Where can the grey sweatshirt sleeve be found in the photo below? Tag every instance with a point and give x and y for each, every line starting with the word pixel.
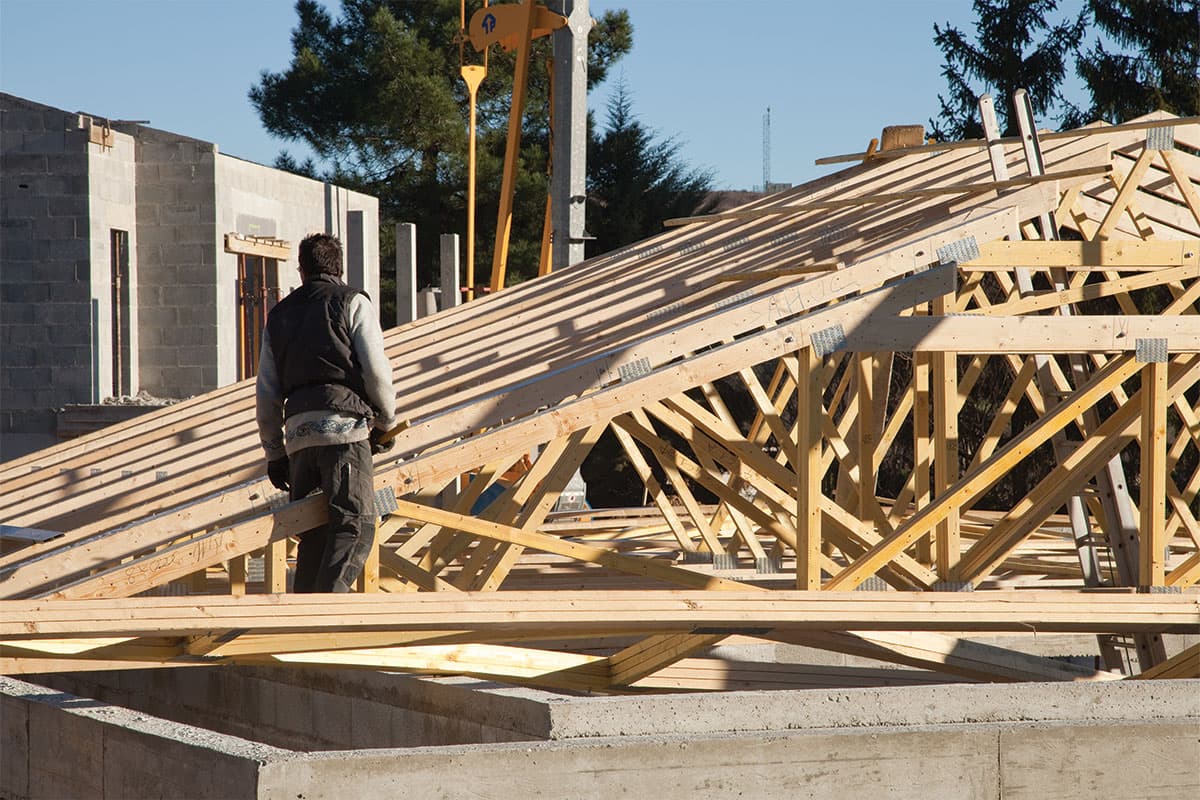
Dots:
pixel 268 396
pixel 367 339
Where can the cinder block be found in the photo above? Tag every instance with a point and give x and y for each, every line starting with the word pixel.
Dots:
pixel 52 228
pixel 191 174
pixel 26 119
pixel 17 271
pixel 201 314
pixel 14 227
pixel 70 292
pixel 185 380
pixel 18 165
pixel 57 184
pixel 157 194
pixel 27 334
pixel 183 254
pixel 69 336
pixel 70 162
pixel 69 249
pixel 195 356
pixel 48 142
pixel 65 314
pixel 158 316
pixel 25 293
pixel 18 315
pixel 74 206
pixel 27 205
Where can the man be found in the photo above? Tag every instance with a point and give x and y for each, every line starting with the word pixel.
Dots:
pixel 325 399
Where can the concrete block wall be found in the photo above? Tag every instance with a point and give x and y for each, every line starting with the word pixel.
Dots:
pixel 177 260
pixel 46 314
pixel 176 198
pixel 255 200
pixel 112 193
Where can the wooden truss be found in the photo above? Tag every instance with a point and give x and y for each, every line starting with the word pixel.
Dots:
pixel 865 412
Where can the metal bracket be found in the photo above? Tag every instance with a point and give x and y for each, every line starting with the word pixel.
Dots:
pixel 828 340
pixel 1150 351
pixel 1160 590
pixel 957 252
pixel 952 586
pixel 768 566
pixel 385 501
pixel 725 561
pixel 1161 138
pixel 634 369
pixel 696 557
pixel 872 584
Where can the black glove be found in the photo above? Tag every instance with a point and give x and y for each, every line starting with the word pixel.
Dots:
pixel 279 473
pixel 377 444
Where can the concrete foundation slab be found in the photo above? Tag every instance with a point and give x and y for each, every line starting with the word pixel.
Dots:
pixel 386 735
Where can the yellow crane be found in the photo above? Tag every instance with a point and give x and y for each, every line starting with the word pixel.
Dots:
pixel 513 26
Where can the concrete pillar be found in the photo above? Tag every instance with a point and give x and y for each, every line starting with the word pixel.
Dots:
pixel 406 272
pixel 356 267
pixel 568 185
pixel 448 257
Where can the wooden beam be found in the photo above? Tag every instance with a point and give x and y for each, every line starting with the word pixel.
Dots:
pixel 810 410
pixel 975 482
pixel 893 197
pixel 1119 254
pixel 1152 502
pixel 519 612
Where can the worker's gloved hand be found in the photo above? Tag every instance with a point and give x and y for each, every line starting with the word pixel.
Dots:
pixel 377 444
pixel 278 473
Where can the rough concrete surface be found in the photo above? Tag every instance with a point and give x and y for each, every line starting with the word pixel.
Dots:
pixel 1127 739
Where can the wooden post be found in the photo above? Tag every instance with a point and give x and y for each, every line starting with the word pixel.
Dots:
pixel 1152 503
pixel 809 410
pixel 865 374
pixel 406 272
pixel 922 447
pixel 236 568
pixel 945 460
pixel 368 581
pixel 275 567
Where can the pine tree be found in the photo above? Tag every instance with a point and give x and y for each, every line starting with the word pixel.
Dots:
pixel 1002 59
pixel 1151 62
pixel 376 94
pixel 636 180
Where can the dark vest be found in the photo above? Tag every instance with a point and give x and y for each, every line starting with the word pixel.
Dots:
pixel 310 338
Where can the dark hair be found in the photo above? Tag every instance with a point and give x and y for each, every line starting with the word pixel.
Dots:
pixel 320 254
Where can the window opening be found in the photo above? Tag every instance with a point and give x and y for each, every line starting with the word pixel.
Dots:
pixel 258 292
pixel 121 309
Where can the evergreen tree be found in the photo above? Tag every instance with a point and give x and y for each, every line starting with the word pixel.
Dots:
pixel 635 181
pixel 1003 58
pixel 1152 60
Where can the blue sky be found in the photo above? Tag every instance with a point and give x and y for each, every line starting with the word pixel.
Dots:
pixel 703 71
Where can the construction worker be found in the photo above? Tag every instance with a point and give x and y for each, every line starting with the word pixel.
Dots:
pixel 325 398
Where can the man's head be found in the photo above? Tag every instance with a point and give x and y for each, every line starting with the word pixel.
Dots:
pixel 320 254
